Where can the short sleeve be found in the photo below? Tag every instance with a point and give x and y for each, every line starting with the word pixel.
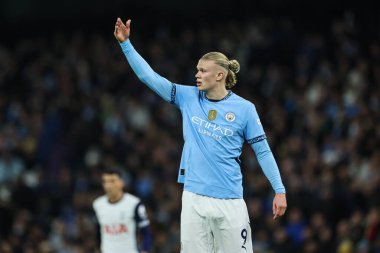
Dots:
pixel 141 216
pixel 95 205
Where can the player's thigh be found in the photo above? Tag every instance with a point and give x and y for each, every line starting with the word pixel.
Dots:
pixel 234 240
pixel 232 231
pixel 195 229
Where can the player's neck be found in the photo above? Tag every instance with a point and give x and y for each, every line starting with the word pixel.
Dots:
pixel 217 94
pixel 116 198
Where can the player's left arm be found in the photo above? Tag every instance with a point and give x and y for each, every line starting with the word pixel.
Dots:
pixel 269 166
pixel 143 226
pixel 266 159
pixel 95 220
pixel 146 244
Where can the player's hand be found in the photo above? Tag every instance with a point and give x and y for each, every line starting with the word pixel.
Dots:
pixel 279 205
pixel 122 31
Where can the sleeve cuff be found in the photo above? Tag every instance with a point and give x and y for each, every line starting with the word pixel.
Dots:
pixel 126 45
pixel 281 190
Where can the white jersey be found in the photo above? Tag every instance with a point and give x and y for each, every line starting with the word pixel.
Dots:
pixel 119 222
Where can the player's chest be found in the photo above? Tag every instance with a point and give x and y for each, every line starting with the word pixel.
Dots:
pixel 109 215
pixel 216 119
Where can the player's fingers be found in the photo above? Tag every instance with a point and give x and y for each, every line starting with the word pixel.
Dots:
pixel 117 23
pixel 128 23
pixel 116 27
pixel 281 210
pixel 277 212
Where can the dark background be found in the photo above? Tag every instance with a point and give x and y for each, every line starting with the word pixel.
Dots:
pixel 70 106
pixel 307 16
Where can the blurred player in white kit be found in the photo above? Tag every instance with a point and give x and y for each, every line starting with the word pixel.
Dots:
pixel 121 217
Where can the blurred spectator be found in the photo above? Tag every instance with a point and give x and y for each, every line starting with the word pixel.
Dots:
pixel 70 106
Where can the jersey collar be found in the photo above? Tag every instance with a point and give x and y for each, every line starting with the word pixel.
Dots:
pixel 216 100
pixel 115 201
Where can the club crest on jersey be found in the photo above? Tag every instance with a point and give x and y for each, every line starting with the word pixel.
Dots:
pixel 212 115
pixel 230 116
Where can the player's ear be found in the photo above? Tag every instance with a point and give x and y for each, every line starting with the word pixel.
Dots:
pixel 219 76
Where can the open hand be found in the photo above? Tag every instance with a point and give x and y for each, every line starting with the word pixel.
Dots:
pixel 122 31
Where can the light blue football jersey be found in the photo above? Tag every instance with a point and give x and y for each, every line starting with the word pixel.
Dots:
pixel 214 133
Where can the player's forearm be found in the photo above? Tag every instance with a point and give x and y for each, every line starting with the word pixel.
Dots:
pixel 268 164
pixel 146 244
pixel 145 73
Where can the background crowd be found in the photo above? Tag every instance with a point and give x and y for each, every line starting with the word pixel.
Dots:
pixel 70 106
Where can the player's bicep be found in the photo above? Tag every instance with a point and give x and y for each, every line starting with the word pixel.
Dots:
pixel 183 94
pixel 141 216
pixel 253 131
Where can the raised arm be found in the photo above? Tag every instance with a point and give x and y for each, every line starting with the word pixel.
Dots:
pixel 144 72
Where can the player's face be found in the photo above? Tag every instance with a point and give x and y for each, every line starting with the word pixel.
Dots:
pixel 112 184
pixel 209 75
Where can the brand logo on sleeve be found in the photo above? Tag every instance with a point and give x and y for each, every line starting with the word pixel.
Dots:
pixel 212 115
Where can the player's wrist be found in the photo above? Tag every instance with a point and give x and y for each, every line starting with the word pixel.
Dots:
pixel 280 190
pixel 123 40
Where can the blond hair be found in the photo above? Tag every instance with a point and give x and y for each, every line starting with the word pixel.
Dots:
pixel 232 66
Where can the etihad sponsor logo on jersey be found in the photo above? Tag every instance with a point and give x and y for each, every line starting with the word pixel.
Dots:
pixel 115 229
pixel 210 129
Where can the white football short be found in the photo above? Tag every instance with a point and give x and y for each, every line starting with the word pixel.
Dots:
pixel 211 225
